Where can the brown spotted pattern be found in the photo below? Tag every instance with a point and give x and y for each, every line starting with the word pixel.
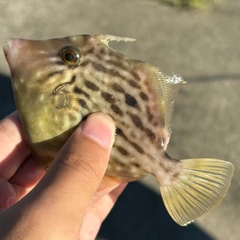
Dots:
pixel 104 80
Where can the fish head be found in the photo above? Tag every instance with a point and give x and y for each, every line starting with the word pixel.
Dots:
pixel 43 76
pixel 31 62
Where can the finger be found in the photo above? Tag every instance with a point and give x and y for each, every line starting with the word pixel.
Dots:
pixel 14 149
pixel 26 177
pixel 8 194
pixel 28 174
pixel 69 184
pixel 107 185
pixel 97 212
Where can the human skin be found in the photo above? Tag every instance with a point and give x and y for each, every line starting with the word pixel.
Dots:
pixel 72 198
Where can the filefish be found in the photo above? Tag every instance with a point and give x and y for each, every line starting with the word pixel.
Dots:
pixel 58 82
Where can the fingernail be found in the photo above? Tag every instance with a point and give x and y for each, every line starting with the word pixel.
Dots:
pixel 100 128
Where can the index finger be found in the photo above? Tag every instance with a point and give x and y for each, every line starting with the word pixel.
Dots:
pixel 14 149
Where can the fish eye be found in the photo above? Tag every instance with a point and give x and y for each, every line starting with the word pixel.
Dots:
pixel 70 55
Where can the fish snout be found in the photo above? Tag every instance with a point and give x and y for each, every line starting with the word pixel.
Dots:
pixel 11 51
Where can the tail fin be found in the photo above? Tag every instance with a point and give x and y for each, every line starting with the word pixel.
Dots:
pixel 201 186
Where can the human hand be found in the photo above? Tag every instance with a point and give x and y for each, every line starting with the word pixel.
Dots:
pixel 72 198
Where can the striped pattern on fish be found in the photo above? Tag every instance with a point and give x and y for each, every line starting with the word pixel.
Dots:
pixel 59 82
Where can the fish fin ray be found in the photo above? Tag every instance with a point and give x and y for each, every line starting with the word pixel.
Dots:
pixel 124 179
pixel 125 176
pixel 169 86
pixel 201 186
pixel 105 39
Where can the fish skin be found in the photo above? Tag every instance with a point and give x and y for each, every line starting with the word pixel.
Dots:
pixel 63 97
pixel 59 82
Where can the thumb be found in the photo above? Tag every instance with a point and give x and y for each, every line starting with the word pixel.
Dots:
pixel 80 165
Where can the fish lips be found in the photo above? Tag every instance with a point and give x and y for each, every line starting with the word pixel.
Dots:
pixel 12 51
pixel 13 48
pixel 6 50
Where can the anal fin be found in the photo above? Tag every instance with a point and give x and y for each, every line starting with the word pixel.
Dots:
pixel 124 179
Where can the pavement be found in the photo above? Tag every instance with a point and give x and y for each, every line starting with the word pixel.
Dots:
pixel 203 47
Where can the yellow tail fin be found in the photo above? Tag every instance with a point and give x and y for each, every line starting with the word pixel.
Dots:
pixel 201 186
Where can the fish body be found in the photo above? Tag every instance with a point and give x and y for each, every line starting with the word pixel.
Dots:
pixel 59 82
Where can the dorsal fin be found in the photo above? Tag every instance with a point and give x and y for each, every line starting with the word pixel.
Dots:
pixel 169 85
pixel 105 39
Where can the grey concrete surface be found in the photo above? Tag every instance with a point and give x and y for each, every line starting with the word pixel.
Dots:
pixel 201 46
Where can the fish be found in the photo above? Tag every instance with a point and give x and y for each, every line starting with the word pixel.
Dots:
pixel 58 82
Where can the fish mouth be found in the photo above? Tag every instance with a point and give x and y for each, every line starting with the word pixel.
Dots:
pixel 12 50
pixel 6 50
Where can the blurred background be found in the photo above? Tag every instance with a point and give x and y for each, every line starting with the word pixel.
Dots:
pixel 201 43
